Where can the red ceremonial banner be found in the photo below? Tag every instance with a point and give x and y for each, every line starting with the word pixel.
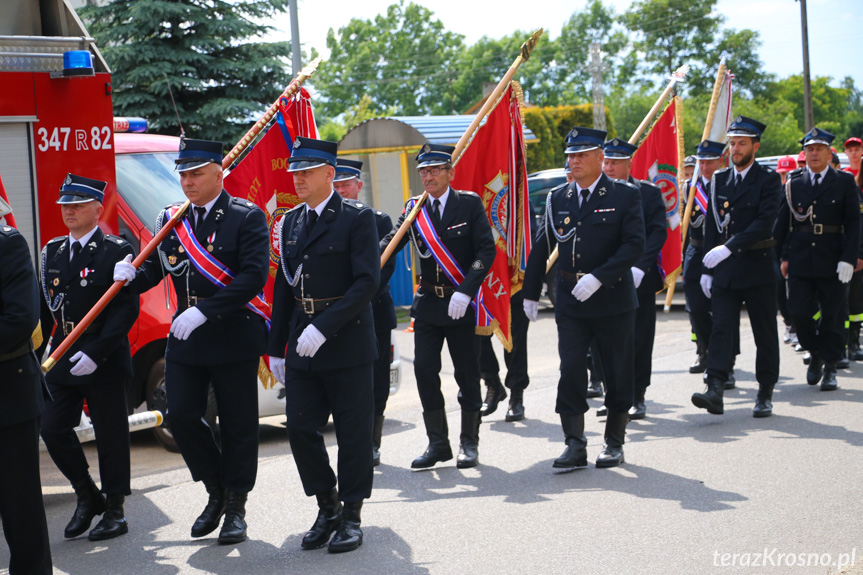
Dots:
pixel 657 160
pixel 262 176
pixel 493 166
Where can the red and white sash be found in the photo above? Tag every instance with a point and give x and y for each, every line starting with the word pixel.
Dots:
pixel 211 268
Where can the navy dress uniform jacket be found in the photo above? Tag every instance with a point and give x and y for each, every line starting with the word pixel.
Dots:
pixel 836 202
pixel 655 234
pixel 340 259
pixel 752 208
pixel 106 341
pixel 232 332
pixel 466 233
pixel 22 387
pixel 610 226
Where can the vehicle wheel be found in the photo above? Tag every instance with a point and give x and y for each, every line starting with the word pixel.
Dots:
pixel 157 399
pixel 551 282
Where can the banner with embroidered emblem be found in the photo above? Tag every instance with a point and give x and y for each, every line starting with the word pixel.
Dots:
pixel 493 165
pixel 211 268
pixel 261 177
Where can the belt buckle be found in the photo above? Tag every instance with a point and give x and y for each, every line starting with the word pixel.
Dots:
pixel 818 229
pixel 308 305
pixel 439 291
pixel 579 275
pixel 191 300
pixel 68 327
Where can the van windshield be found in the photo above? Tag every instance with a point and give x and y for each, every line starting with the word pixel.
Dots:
pixel 148 183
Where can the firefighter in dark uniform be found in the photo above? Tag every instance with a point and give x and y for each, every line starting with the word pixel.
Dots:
pixel 76 270
pixel 218 333
pixel 322 343
pixel 739 266
pixel 708 155
pixel 645 273
pixel 819 231
pixel 348 184
pixel 441 306
pixel 855 291
pixel 598 225
pixel 22 399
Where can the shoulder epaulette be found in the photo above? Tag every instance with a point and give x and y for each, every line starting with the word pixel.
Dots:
pixel 466 193
pixel 171 205
pixel 6 229
pixel 57 239
pixel 243 202
pixel 625 183
pixel 116 239
pixel 721 170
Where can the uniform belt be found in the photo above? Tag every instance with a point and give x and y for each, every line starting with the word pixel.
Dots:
pixel 572 277
pixel 188 301
pixel 819 229
pixel 440 291
pixel 695 242
pixel 763 244
pixel 23 349
pixel 68 326
pixel 312 306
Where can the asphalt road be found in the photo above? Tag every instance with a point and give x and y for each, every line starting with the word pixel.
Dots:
pixel 698 493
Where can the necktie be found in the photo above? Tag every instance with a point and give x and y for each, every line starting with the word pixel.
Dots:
pixel 76 251
pixel 436 211
pixel 816 180
pixel 310 221
pixel 584 194
pixel 738 179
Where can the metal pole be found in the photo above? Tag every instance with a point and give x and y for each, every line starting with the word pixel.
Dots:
pixel 296 55
pixel 808 115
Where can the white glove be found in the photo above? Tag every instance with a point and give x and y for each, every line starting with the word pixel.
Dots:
pixel 586 287
pixel 85 365
pixel 187 322
pixel 458 305
pixel 124 271
pixel 706 284
pixel 637 276
pixel 277 367
pixel 716 256
pixel 310 341
pixel 844 271
pixel 531 309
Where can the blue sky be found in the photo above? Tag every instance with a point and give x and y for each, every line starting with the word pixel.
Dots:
pixel 835 26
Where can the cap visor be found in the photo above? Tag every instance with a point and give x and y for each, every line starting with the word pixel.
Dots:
pixel 75 199
pixel 580 149
pixel 193 165
pixel 708 157
pixel 744 133
pixel 430 163
pixel 617 156
pixel 813 142
pixel 305 165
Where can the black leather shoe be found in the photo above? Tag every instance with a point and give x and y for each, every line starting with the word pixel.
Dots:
pixel 594 388
pixel 495 392
pixel 843 363
pixel 798 348
pixel 348 536
pixel 209 519
pixel 91 503
pixel 829 383
pixel 711 399
pixel 516 406
pixel 731 382
pixel 601 411
pixel 234 527
pixel 468 452
pixel 575 454
pixel 113 522
pixel 638 409
pixel 700 364
pixel 377 432
pixel 329 516
pixel 764 402
pixel 438 433
pixel 615 432
pixel 815 371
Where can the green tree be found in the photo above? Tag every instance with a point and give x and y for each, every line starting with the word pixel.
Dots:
pixel 404 60
pixel 221 79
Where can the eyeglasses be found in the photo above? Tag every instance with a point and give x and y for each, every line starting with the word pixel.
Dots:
pixel 435 171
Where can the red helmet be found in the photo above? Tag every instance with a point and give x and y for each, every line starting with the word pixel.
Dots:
pixel 801 157
pixel 786 164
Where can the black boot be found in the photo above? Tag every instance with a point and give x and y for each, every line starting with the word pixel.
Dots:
pixel 638 409
pixel 494 394
pixel 854 352
pixel 91 503
pixel 815 370
pixel 828 383
pixel 468 451
pixel 516 406
pixel 438 434
pixel 329 516
pixel 234 527
pixel 575 454
pixel 731 382
pixel 711 399
pixel 764 402
pixel 113 523
pixel 844 362
pixel 700 363
pixel 377 431
pixel 209 519
pixel 348 536
pixel 615 431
